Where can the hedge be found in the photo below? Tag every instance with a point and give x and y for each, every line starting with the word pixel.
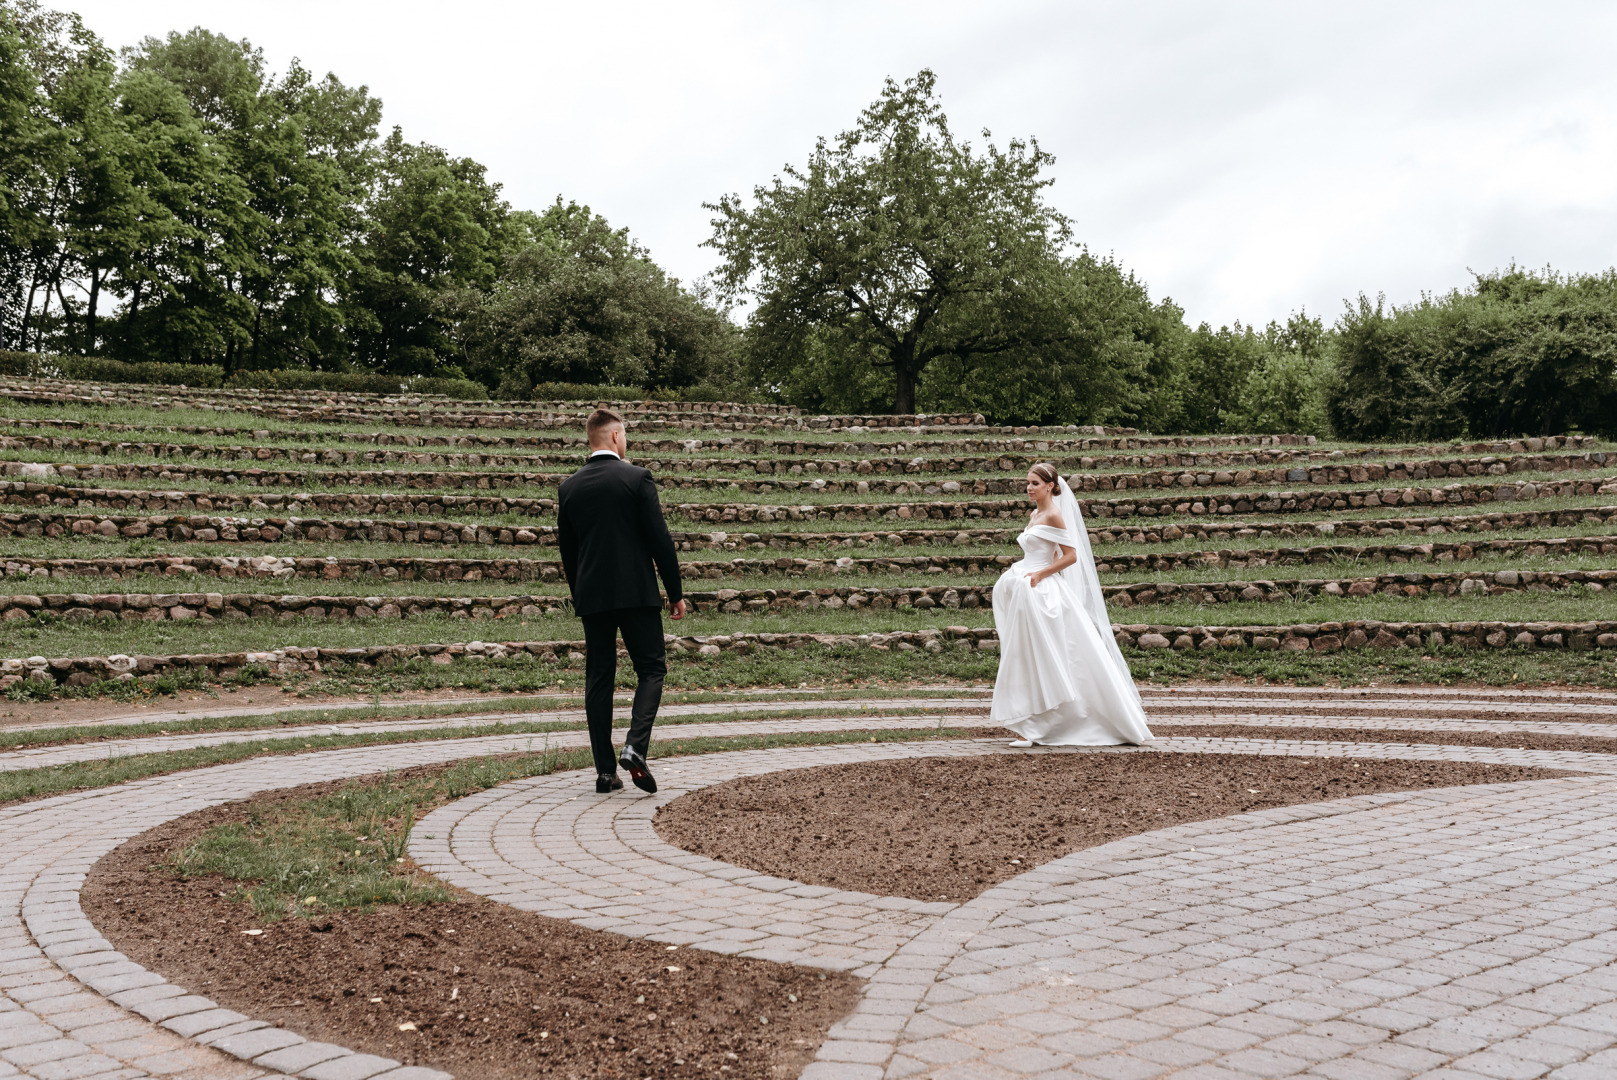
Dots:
pixel 357 383
pixel 211 376
pixel 562 391
pixel 97 369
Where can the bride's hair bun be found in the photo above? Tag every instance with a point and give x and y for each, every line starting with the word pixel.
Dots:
pixel 1047 472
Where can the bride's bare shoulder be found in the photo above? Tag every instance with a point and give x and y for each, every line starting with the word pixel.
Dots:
pixel 1054 521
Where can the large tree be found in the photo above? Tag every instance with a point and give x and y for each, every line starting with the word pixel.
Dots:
pixel 302 152
pixel 583 303
pixel 435 226
pixel 896 247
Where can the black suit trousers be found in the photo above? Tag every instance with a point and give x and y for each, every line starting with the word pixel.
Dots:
pixel 643 638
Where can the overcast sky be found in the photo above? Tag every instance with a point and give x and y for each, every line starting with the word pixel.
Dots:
pixel 1246 159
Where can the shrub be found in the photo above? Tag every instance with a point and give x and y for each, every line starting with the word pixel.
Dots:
pixel 575 392
pixel 211 376
pixel 98 369
pixel 357 383
pixel 1284 394
pixel 562 391
pixel 1520 353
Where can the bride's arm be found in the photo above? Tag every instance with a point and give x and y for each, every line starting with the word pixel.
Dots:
pixel 1068 557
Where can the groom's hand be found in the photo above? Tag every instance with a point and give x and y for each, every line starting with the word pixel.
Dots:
pixel 679 610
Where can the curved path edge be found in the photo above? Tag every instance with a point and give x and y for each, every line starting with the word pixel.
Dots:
pixel 72 1006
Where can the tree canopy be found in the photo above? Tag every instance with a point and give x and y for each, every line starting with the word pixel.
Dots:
pixel 897 246
pixel 184 203
pixel 1519 351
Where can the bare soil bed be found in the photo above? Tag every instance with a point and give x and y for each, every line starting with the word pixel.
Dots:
pixel 492 992
pixel 933 828
pixel 1527 740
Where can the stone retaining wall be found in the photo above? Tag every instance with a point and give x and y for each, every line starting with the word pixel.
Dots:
pixel 311 406
pixel 1057 440
pixel 1319 637
pixel 1408 584
pixel 1268 502
pixel 674 474
pixel 365 397
pixel 206 607
pixel 331 568
pixel 28 493
pixel 830 458
pixel 200 528
pixel 181 607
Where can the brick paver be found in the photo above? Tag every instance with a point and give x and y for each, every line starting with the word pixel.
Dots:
pixel 1466 929
pixel 1386 935
pixel 1493 711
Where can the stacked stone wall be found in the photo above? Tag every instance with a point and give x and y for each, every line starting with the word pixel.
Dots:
pixel 208 528
pixel 1322 638
pixel 332 568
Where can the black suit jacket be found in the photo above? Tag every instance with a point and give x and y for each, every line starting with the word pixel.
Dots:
pixel 611 530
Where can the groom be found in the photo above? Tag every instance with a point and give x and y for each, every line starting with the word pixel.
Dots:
pixel 611 530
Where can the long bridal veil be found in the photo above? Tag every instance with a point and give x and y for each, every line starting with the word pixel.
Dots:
pixel 1086 580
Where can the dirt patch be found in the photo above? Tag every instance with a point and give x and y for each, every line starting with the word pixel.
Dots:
pixel 1347 711
pixel 947 828
pixel 492 992
pixel 1589 744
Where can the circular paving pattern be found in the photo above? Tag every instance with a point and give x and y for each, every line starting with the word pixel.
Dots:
pixel 1456 932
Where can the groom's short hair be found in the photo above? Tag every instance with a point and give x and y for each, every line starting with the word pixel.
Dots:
pixel 599 421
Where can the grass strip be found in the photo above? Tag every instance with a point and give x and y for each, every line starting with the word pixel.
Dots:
pixel 66 638
pixel 25 785
pixel 860 577
pixel 44 737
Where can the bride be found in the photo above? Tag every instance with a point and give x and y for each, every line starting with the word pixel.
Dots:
pixel 1062 679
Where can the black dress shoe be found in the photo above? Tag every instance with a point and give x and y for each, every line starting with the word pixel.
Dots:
pixel 636 765
pixel 606 783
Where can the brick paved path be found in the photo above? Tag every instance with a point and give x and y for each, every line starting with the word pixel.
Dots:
pixel 1495 711
pixel 1517 889
pixel 1374 937
pixel 1463 933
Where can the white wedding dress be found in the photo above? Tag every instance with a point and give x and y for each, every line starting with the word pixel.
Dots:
pixel 1062 679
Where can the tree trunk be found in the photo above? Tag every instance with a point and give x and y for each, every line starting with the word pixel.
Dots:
pixel 904 398
pixel 89 314
pixel 258 330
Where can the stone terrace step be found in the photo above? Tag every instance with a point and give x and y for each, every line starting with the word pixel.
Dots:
pixel 1318 637
pixel 361 397
pixel 410 568
pixel 211 528
pixel 207 607
pixel 1063 440
pixel 23 493
pixel 311 406
pixel 1317 467
pixel 180 607
pixel 674 475
pixel 1265 502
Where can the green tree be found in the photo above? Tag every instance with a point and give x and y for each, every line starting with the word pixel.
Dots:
pixel 182 193
pixel 59 87
pixel 1215 369
pixel 896 247
pixel 18 132
pixel 1111 357
pixel 1520 352
pixel 581 302
pixel 303 151
pixel 434 227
